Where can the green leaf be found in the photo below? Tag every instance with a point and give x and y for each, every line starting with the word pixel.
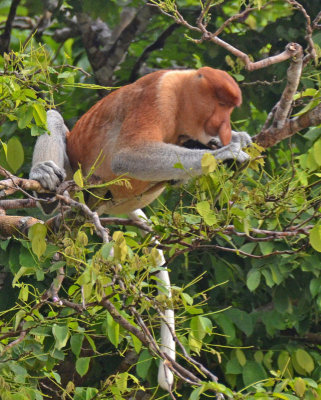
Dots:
pixel 26 258
pixel 22 271
pixel 299 387
pixel 253 279
pixel 15 154
pixel 136 342
pixel 240 356
pixel 87 290
pixel 233 367
pixel 68 47
pixel 112 330
pixel 37 130
pixel 268 277
pixel 248 247
pixel 208 163
pixel 282 301
pixel 307 108
pixel 18 317
pixel 18 396
pixel 61 334
pixel 78 178
pixel 84 278
pixel 317 152
pixel 5 148
pixel 241 319
pixel 284 396
pixel 310 161
pixel 227 326
pixel 121 382
pixel 76 341
pixel 307 92
pixel 194 343
pixel 284 364
pixel 24 293
pixel 106 249
pixel 143 364
pixel 37 234
pixel 204 209
pixel 187 299
pixel 82 365
pixel 253 372
pixel 19 371
pixel 25 116
pixel 259 356
pixel 304 360
pixel 39 114
pixel 197 327
pixel 315 237
pixel 195 395
pixel 266 247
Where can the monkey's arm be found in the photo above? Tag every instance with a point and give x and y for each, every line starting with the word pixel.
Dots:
pixel 155 161
pixel 50 159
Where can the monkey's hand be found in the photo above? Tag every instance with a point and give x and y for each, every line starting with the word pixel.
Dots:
pixel 232 151
pixel 48 174
pixel 241 138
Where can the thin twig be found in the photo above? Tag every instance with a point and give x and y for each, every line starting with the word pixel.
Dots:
pixel 101 231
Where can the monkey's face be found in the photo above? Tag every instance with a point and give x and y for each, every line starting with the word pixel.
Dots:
pixel 218 124
pixel 220 94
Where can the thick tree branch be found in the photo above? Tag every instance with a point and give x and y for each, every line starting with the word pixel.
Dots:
pixel 271 136
pixel 293 79
pixel 13 184
pixel 157 44
pixel 11 225
pixel 106 49
pixel 15 204
pixel 6 35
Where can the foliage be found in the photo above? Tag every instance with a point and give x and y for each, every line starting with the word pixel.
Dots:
pixel 242 244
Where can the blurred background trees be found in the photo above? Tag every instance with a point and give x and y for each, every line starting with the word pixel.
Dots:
pixel 243 245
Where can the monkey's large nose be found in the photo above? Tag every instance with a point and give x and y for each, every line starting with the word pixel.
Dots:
pixel 225 133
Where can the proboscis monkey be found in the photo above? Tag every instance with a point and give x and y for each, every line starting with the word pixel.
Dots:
pixel 138 131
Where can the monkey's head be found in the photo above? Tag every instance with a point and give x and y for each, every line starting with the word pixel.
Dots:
pixel 220 94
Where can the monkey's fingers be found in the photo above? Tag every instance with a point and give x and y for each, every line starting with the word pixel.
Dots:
pixel 48 174
pixel 243 138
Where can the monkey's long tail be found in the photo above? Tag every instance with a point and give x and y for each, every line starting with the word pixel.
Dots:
pixel 165 375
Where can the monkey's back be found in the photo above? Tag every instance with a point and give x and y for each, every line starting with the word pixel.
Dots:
pixel 106 128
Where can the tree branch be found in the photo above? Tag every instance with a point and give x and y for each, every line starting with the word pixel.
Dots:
pixel 6 35
pixel 293 79
pixel 157 44
pixel 271 136
pixel 106 48
pixel 290 50
pixel 11 225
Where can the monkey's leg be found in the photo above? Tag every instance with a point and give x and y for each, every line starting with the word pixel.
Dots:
pixel 50 161
pixel 165 375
